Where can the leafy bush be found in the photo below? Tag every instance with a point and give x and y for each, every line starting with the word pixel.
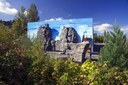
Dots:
pixel 23 62
pixel 95 73
pixel 66 72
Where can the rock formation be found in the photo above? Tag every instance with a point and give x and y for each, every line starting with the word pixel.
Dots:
pixel 69 35
pixel 67 46
pixel 77 51
pixel 45 35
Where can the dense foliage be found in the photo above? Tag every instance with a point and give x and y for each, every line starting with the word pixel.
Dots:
pixel 23 17
pixel 98 38
pixel 7 23
pixel 116 48
pixel 23 62
pixel 33 13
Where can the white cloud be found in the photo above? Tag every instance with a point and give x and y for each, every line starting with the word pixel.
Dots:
pixel 108 27
pixel 102 27
pixel 53 19
pixel 26 13
pixel 6 8
pixel 125 29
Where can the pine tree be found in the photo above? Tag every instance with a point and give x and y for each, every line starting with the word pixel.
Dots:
pixel 20 24
pixel 33 13
pixel 115 50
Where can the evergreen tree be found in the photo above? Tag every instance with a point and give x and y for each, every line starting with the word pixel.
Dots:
pixel 20 24
pixel 22 18
pixel 115 50
pixel 33 13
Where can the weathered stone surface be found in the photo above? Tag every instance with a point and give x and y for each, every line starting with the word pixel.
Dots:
pixel 45 35
pixel 69 35
pixel 66 47
pixel 60 46
pixel 53 45
pixel 76 51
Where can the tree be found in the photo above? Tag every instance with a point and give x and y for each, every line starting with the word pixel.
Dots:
pixel 98 38
pixel 8 24
pixel 115 50
pixel 22 18
pixel 33 13
pixel 2 26
pixel 20 24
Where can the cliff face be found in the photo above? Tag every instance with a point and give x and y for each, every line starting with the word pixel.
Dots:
pixel 68 43
pixel 69 35
pixel 45 35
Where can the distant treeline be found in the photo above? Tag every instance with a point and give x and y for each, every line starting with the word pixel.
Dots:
pixel 98 38
pixel 7 23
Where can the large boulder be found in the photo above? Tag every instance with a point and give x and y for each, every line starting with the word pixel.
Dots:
pixel 45 35
pixel 69 35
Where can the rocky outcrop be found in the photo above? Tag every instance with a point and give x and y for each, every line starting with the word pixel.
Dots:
pixel 45 35
pixel 60 46
pixel 76 51
pixel 69 35
pixel 67 46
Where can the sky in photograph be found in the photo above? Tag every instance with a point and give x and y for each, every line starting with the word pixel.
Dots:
pixel 82 27
pixel 105 13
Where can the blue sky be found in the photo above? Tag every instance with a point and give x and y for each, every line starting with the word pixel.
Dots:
pixel 104 12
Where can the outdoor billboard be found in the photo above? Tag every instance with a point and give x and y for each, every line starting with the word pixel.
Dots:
pixel 82 26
